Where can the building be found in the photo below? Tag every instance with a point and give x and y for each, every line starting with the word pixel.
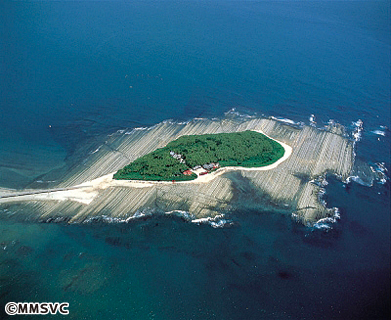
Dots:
pixel 177 156
pixel 210 166
pixel 187 172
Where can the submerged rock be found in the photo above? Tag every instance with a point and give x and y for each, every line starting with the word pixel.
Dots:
pixel 85 280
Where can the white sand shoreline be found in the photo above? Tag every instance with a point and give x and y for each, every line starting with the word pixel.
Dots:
pixel 86 192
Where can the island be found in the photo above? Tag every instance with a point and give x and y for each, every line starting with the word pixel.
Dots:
pixel 239 176
pixel 190 156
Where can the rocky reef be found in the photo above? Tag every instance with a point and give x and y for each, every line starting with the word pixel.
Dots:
pixel 294 186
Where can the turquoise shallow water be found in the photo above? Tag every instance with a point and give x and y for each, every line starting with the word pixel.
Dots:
pixel 265 266
pixel 76 71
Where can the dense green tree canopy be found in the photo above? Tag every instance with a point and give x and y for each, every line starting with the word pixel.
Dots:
pixel 245 149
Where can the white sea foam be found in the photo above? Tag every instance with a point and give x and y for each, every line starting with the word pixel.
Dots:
pixel 216 222
pixel 356 134
pixel 221 223
pixel 181 213
pixel 326 223
pixel 140 214
pixel 367 173
pixel 123 131
pixel 379 132
pixel 380 170
pixel 320 181
pixel 234 112
pixel 312 120
pixel 169 121
pixel 285 120
pixel 358 123
pixel 295 216
pixel 97 149
pixel 140 128
pixel 288 121
pixel 358 180
pixel 137 215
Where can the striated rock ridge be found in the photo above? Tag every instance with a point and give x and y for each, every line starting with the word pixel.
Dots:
pixel 288 187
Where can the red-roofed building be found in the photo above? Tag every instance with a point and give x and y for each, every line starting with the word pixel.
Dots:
pixel 187 173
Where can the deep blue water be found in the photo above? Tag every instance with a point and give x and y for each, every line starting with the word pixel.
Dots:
pixel 88 68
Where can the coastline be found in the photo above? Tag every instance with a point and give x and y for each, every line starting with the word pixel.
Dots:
pixel 86 192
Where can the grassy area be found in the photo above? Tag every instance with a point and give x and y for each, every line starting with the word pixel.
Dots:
pixel 245 149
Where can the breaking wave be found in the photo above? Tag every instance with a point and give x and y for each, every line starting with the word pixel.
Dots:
pixel 97 149
pixel 288 121
pixel 379 132
pixel 182 214
pixel 366 174
pixel 216 222
pixel 363 173
pixel 324 223
pixel 327 223
pixel 139 214
pixel 233 112
pixel 312 120
pixel 357 132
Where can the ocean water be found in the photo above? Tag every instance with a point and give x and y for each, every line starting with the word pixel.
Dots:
pixel 76 71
